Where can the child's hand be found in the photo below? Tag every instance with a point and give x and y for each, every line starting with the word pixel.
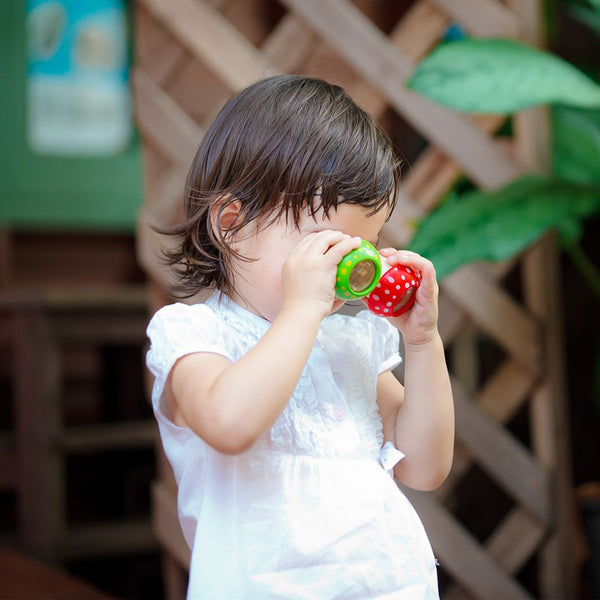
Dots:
pixel 308 275
pixel 419 324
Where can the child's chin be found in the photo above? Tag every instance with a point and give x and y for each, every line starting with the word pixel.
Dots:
pixel 337 304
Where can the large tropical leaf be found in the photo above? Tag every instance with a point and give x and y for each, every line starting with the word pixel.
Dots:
pixel 587 12
pixel 500 76
pixel 498 225
pixel 576 144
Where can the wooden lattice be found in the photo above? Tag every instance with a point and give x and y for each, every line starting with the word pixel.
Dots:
pixel 192 54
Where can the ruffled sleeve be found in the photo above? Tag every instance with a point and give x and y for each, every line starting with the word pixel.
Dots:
pixel 180 329
pixel 385 340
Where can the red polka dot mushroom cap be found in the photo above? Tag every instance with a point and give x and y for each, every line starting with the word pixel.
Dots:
pixel 395 292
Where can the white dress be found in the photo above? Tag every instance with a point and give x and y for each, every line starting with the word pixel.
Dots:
pixel 309 512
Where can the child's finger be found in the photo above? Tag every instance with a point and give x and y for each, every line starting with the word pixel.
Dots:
pixel 429 287
pixel 407 258
pixel 335 244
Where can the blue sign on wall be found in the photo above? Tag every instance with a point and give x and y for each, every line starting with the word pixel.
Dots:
pixel 78 100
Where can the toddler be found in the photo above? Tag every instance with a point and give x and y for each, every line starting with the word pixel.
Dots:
pixel 282 420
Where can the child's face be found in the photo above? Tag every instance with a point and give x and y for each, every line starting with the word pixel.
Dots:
pixel 258 283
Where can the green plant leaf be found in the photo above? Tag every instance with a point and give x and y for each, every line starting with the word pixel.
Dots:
pixel 489 75
pixel 497 225
pixel 576 144
pixel 587 16
pixel 585 11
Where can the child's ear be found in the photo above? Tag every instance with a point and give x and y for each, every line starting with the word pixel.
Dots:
pixel 225 214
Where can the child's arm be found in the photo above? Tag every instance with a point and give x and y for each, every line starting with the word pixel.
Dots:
pixel 231 404
pixel 419 418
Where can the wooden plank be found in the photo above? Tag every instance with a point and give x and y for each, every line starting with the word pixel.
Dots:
pixel 111 538
pixel 501 396
pixel 550 418
pixel 163 55
pixel 289 44
pixel 149 250
pixel 516 539
pixel 387 69
pixel 484 18
pixel 400 227
pixel 37 415
pixel 502 456
pixel 512 544
pixel 558 563
pixel 434 172
pixel 100 328
pixel 461 555
pixel 452 316
pixel 213 40
pixel 415 35
pixel 81 299
pixel 85 439
pixel 164 205
pixel 420 29
pixel 252 18
pixel 495 312
pixel 504 392
pixel 163 123
pixel 166 524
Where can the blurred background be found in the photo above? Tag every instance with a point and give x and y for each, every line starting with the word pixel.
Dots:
pixel 103 104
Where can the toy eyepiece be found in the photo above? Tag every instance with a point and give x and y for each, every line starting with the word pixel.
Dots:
pixel 394 294
pixel 407 298
pixel 362 276
pixel 358 272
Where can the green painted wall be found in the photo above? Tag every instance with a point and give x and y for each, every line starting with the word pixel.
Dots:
pixel 44 192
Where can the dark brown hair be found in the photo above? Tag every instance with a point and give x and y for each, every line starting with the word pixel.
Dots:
pixel 282 146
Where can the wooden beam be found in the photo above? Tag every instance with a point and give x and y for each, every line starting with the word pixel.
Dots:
pixel 550 415
pixel 37 416
pixel 373 56
pixel 163 123
pixel 415 35
pixel 84 439
pixel 113 538
pixel 208 36
pixel 149 245
pixel 162 55
pixel 515 539
pixel 501 396
pixel 505 391
pixel 461 555
pixel 289 44
pixel 501 455
pixel 494 311
pixel 166 524
pixel 512 544
pixel 484 18
pixel 429 178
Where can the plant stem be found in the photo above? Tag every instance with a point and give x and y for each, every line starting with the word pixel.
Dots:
pixel 585 266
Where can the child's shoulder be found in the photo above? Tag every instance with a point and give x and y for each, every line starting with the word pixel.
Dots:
pixel 180 312
pixel 178 329
pixel 186 323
